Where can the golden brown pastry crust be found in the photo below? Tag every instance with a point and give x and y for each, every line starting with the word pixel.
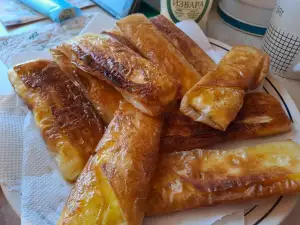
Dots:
pixel 155 47
pixel 217 98
pixel 213 106
pixel 70 125
pixel 189 49
pixel 186 180
pixel 104 96
pixel 119 36
pixel 243 67
pixel 261 115
pixel 126 158
pixel 137 79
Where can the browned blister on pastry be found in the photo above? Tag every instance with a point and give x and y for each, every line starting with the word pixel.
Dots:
pixel 154 46
pixel 139 81
pixel 181 133
pixel 70 125
pixel 104 96
pixel 261 115
pixel 188 48
pixel 114 185
pixel 217 98
pixel 191 179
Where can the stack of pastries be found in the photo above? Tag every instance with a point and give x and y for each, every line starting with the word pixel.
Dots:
pixel 130 114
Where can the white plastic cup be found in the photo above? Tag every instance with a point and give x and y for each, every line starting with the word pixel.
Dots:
pixel 282 39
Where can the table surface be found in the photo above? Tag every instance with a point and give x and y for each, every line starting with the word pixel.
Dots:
pixel 217 30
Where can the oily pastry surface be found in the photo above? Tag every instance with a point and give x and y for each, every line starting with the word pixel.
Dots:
pixel 70 125
pixel 261 115
pixel 138 80
pixel 113 187
pixel 217 98
pixel 188 48
pixel 152 44
pixel 191 179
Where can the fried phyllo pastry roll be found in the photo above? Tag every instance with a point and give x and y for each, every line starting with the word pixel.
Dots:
pixel 104 96
pixel 154 46
pixel 140 82
pixel 261 115
pixel 189 49
pixel 213 106
pixel 119 36
pixel 191 179
pixel 113 187
pixel 217 98
pixel 70 125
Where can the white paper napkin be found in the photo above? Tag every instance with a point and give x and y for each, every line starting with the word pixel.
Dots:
pixel 12 114
pixel 43 189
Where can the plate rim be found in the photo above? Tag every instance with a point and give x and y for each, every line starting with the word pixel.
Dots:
pixel 14 197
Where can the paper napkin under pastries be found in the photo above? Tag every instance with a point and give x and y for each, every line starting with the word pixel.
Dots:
pixel 43 188
pixel 12 115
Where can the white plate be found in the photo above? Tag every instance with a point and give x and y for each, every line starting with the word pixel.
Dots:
pixel 268 212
